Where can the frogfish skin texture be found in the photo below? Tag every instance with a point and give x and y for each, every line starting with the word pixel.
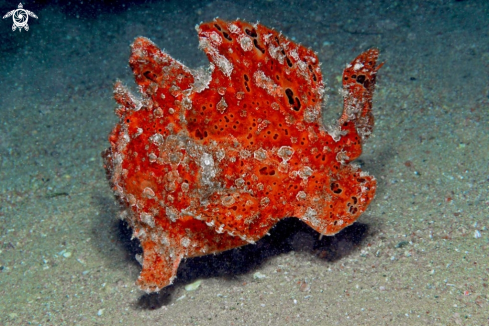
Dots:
pixel 210 159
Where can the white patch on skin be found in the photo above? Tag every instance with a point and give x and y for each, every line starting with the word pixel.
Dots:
pixel 357 66
pixel 234 29
pixel 245 42
pixel 157 139
pixel 208 171
pixel 311 216
pixel 221 105
pixel 276 53
pixel 264 202
pixel 172 214
pixel 285 153
pixel 220 229
pixel 185 242
pixel 209 45
pixel 301 195
pixel 293 53
pixel 302 65
pixel 148 192
pixel 202 78
pixel 265 82
pixel 215 38
pixel 222 63
pixel 341 157
pixel 147 219
pixel 260 154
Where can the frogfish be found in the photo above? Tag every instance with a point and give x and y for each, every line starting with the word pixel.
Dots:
pixel 209 159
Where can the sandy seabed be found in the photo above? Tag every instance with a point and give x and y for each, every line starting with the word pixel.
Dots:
pixel 418 256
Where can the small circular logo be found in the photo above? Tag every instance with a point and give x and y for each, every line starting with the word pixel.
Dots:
pixel 20 17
